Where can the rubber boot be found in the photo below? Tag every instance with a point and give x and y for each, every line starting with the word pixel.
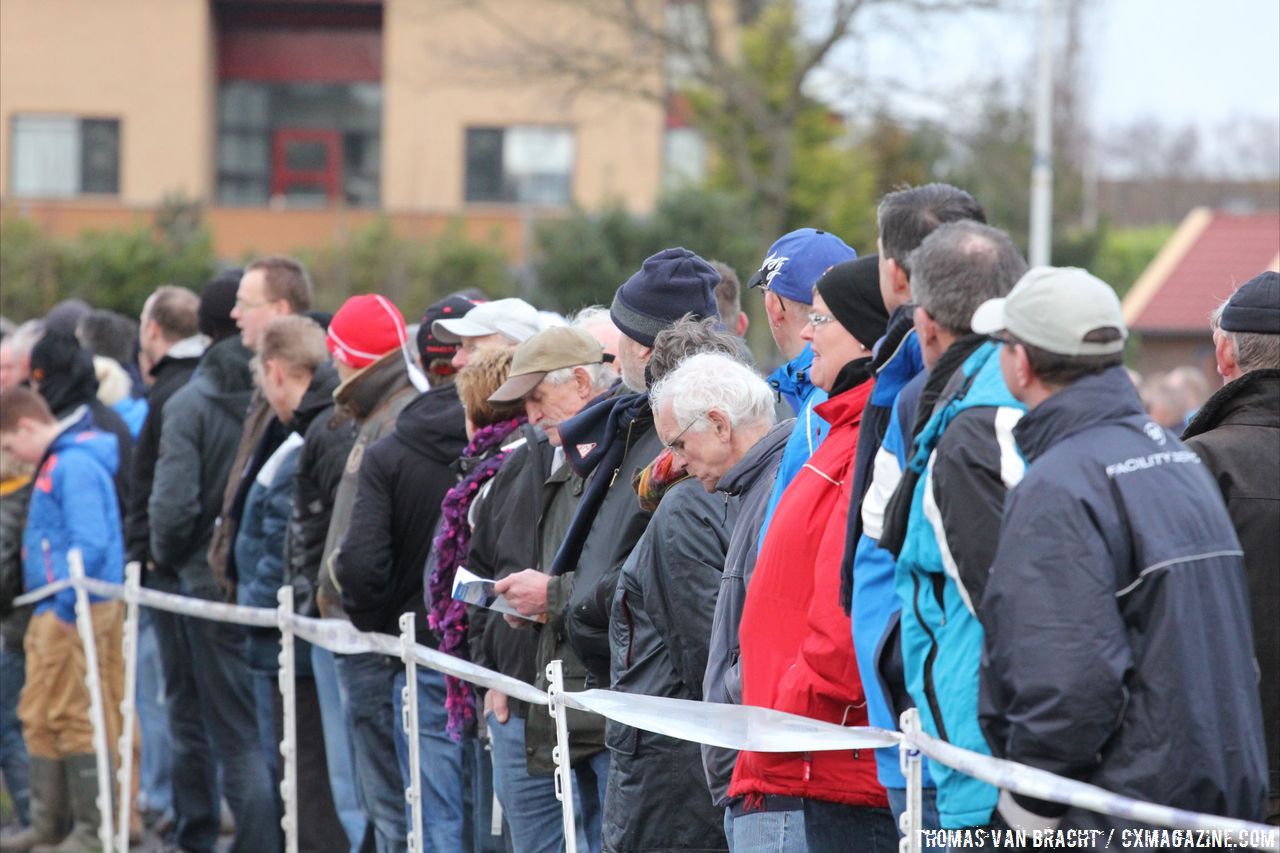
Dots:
pixel 82 786
pixel 48 805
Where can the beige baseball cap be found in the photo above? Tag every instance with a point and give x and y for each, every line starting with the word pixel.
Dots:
pixel 1058 309
pixel 550 349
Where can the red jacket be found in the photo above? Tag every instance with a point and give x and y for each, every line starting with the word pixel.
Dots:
pixel 797 646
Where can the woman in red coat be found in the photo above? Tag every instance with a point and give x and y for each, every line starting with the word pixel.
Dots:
pixel 797 649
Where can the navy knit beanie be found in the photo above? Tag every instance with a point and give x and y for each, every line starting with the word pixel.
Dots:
pixel 668 285
pixel 1254 307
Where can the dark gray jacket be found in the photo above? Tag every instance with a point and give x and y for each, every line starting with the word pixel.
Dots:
pixel 372 399
pixel 660 628
pixel 15 494
pixel 750 483
pixel 1118 650
pixel 202 426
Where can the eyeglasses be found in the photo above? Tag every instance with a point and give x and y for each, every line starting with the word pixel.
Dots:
pixel 246 305
pixel 676 445
pixel 816 319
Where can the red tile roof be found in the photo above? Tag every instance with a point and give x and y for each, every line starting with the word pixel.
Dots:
pixel 1228 251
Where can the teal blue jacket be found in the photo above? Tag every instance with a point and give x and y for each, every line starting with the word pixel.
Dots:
pixel 966 460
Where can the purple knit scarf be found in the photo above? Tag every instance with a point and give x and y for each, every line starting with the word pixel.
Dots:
pixel 448 616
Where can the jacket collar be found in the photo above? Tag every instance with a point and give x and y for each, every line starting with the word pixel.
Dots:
pixel 846 407
pixel 317 397
pixel 1101 398
pixel 362 393
pixel 1252 399
pixel 755 464
pixel 792 379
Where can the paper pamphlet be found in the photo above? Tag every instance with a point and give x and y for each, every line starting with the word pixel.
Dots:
pixel 473 589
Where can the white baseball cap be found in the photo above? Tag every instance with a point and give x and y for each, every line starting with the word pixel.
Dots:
pixel 514 318
pixel 1062 310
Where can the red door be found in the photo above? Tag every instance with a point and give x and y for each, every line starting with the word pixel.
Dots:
pixel 306 167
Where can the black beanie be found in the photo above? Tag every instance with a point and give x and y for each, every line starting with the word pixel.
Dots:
pixel 216 301
pixel 668 285
pixel 852 292
pixel 1254 307
pixel 63 372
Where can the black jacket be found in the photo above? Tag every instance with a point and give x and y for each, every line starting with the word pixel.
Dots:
pixel 168 375
pixel 657 797
pixel 607 442
pixel 15 494
pixel 503 542
pixel 327 443
pixel 1117 643
pixel 1237 436
pixel 203 421
pixel 750 483
pixel 403 478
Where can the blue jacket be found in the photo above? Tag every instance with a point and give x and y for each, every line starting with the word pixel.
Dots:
pixel 1118 646
pixel 74 505
pixel 966 461
pixel 133 411
pixel 791 382
pixel 260 541
pixel 874 603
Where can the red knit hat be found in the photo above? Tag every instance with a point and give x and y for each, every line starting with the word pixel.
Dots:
pixel 364 330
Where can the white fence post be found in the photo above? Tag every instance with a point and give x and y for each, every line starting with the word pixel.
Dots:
pixel 409 719
pixel 84 623
pixel 289 725
pixel 910 760
pixel 560 754
pixel 128 702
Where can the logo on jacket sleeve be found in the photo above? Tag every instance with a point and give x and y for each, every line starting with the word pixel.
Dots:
pixel 1155 432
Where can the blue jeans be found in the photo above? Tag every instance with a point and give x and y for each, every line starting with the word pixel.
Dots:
pixel 592 779
pixel 839 828
pixel 444 765
pixel 765 832
pixel 367 680
pixel 13 750
pixel 155 780
pixel 209 692
pixel 529 802
pixel 928 809
pixel 337 747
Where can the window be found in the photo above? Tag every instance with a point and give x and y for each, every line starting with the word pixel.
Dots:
pixel 60 155
pixel 311 144
pixel 684 157
pixel 525 164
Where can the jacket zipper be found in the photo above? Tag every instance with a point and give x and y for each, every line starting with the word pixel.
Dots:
pixel 930 694
pixel 625 448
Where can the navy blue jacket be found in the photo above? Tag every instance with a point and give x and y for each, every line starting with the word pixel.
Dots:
pixel 1118 648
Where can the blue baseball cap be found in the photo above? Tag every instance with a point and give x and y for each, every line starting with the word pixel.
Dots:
pixel 797 260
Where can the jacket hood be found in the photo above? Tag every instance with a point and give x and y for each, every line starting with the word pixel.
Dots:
pixel 1096 399
pixel 317 398
pixel 114 384
pixel 81 436
pixel 434 425
pixel 75 386
pixel 225 369
pixel 1253 399
pixel 587 436
pixel 362 393
pixel 743 476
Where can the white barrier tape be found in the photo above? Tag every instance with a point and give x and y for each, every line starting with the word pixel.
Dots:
pixel 741 727
pixel 730 726
pixel 42 593
pixel 1043 785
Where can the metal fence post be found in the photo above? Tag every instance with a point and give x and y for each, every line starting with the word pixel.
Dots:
pixel 409 719
pixel 97 715
pixel 289 735
pixel 910 760
pixel 560 754
pixel 128 702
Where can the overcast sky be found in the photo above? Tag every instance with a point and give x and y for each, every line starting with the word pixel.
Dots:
pixel 1203 61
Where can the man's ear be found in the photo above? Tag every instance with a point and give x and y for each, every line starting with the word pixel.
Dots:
pixel 773 308
pixel 1022 367
pixel 899 280
pixel 1224 352
pixel 720 424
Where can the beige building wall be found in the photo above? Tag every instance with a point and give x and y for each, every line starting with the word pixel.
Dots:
pixel 447 66
pixel 149 63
